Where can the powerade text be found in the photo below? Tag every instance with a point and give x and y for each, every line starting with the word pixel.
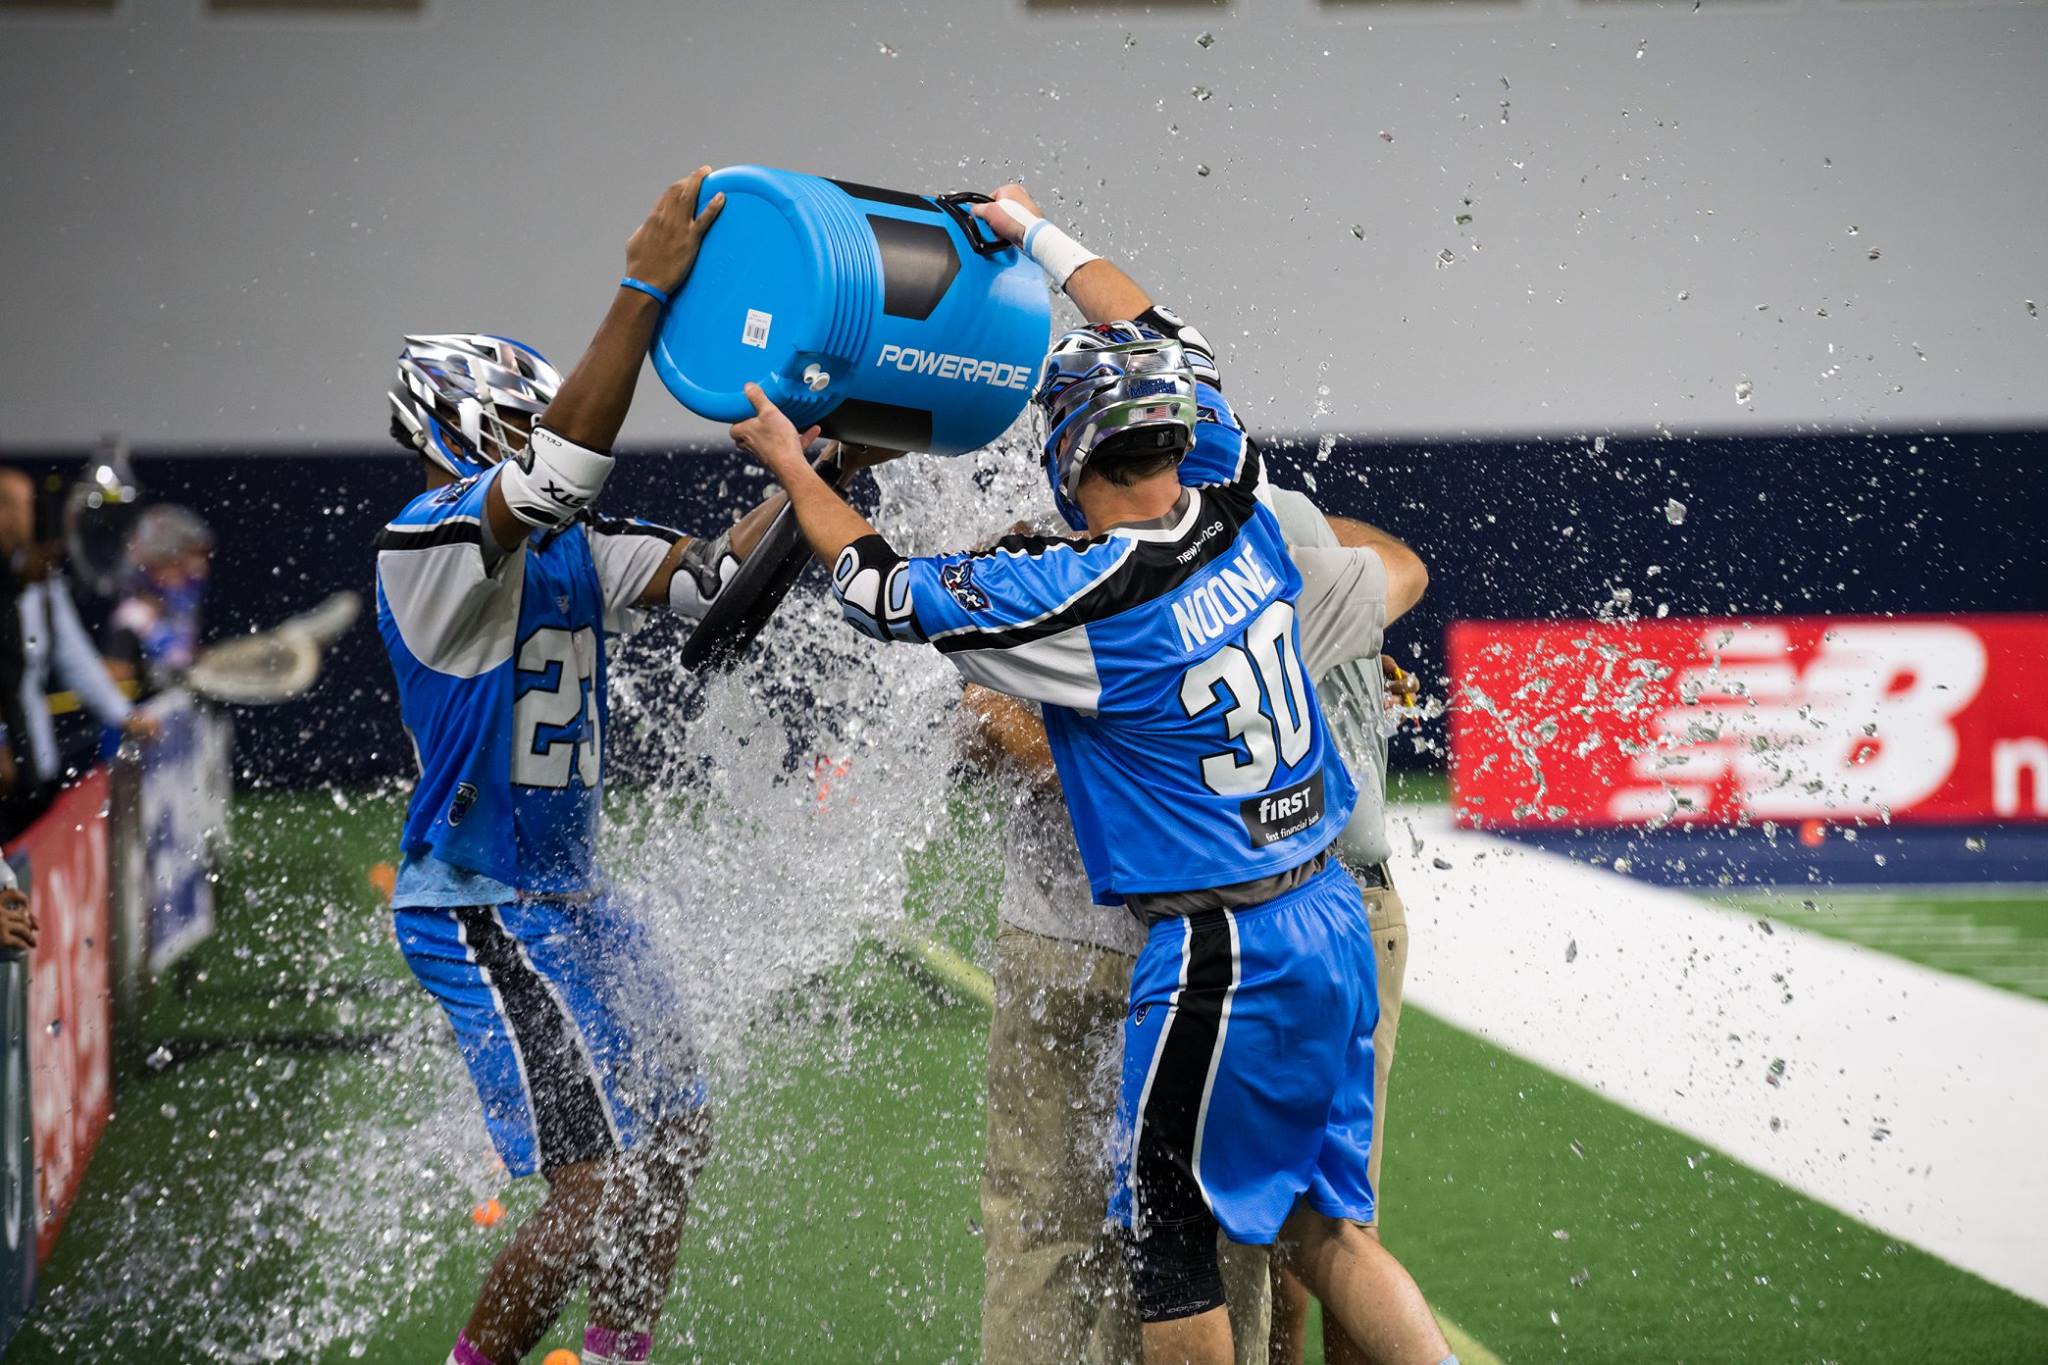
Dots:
pixel 965 368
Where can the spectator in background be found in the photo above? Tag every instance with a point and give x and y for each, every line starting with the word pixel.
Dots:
pixel 17 921
pixel 153 635
pixel 51 636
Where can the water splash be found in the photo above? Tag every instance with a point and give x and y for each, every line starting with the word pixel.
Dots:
pixel 765 837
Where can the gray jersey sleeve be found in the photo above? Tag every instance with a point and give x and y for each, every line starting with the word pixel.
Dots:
pixel 1343 603
pixel 627 551
pixel 1343 612
pixel 1343 606
pixel 456 615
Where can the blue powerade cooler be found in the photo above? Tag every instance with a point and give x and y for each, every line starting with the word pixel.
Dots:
pixel 893 319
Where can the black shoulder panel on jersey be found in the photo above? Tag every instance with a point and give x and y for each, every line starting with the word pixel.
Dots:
pixel 462 531
pixel 1151 570
pixel 626 526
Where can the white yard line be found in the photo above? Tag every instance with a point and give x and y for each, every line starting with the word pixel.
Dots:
pixel 1996 938
pixel 1912 893
pixel 1913 1099
pixel 1858 915
pixel 2019 978
pixel 1972 957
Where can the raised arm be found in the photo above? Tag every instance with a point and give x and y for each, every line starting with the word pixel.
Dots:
pixel 592 403
pixel 1004 615
pixel 1407 575
pixel 1098 288
pixel 689 571
pixel 568 457
pixel 829 523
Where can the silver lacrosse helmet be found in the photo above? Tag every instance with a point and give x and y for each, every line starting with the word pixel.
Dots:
pixel 1116 388
pixel 467 400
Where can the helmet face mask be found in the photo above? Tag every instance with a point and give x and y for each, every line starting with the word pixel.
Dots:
pixel 1114 388
pixel 469 400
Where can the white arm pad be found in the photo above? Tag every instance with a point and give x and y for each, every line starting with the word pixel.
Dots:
pixel 553 479
pixel 1057 254
pixel 701 574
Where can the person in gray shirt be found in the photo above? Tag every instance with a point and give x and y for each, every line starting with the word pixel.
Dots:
pixel 1056 1287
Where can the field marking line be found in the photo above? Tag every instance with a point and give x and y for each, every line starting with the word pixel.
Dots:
pixel 960 976
pixel 1957 935
pixel 1990 955
pixel 968 981
pixel 1463 1345
pixel 1919 893
pixel 1915 1097
pixel 2018 979
pixel 1858 915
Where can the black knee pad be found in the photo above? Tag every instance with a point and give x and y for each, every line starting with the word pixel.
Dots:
pixel 1174 1269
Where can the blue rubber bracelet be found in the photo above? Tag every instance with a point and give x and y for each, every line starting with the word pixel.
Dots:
pixel 659 296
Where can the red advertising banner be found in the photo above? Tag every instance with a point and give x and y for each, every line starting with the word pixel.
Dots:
pixel 70 1017
pixel 1729 720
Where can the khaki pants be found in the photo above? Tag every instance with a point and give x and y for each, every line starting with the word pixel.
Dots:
pixel 1056 1289
pixel 1389 919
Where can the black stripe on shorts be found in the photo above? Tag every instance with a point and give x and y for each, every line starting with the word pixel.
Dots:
pixel 569 1119
pixel 1163 1185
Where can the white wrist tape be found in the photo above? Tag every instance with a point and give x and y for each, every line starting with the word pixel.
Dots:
pixel 553 479
pixel 1057 254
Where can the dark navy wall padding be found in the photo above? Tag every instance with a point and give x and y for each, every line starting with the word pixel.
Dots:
pixel 1511 530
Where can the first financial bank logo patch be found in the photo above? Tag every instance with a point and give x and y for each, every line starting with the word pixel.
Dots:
pixel 1285 813
pixel 957 578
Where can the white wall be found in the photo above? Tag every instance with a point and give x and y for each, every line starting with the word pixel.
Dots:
pixel 214 229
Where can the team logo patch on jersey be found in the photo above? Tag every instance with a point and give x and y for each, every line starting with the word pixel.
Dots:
pixel 465 797
pixel 958 579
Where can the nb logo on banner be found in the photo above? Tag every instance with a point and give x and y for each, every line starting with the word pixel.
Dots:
pixel 1656 722
pixel 1866 727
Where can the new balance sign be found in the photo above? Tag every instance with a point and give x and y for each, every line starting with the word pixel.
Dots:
pixel 1725 720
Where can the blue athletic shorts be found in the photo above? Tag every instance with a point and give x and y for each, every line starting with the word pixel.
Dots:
pixel 1248 1066
pixel 575 1043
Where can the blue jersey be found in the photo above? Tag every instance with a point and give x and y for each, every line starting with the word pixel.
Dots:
pixel 500 663
pixel 1190 745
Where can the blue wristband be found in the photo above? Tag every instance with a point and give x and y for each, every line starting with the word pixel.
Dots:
pixel 628 282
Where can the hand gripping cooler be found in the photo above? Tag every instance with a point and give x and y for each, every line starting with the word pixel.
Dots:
pixel 893 319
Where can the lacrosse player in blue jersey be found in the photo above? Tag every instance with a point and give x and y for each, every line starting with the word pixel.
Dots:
pixel 496 591
pixel 1204 792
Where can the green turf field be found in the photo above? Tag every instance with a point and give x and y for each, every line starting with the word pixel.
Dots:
pixel 264 1196
pixel 1996 934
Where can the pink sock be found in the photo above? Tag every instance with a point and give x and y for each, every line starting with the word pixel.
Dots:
pixel 605 1346
pixel 466 1353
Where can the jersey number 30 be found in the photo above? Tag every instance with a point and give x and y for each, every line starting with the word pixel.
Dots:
pixel 554 721
pixel 1268 700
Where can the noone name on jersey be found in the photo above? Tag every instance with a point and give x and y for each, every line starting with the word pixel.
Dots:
pixel 1222 601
